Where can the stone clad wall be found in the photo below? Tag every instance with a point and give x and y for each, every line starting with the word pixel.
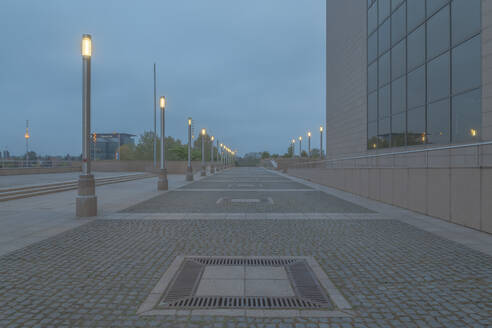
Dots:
pixel 173 167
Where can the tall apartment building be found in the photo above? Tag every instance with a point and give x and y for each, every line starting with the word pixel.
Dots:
pixel 409 104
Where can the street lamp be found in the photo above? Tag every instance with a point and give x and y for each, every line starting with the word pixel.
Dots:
pixel 204 167
pixel 162 183
pixel 309 144
pixel 212 167
pixel 293 146
pixel 300 146
pixel 321 141
pixel 217 166
pixel 189 170
pixel 27 136
pixel 86 201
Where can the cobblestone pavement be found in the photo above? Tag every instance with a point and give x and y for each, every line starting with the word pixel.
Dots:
pixel 391 273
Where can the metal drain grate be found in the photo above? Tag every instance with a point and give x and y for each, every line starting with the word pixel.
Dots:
pixel 204 302
pixel 244 261
pixel 305 285
pixel 185 282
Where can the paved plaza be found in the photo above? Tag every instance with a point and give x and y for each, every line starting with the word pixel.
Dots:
pixel 249 233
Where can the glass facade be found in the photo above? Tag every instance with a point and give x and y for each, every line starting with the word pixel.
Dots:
pixel 423 72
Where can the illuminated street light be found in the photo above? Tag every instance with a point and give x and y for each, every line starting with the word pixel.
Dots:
pixel 309 144
pixel 212 167
pixel 321 141
pixel 204 167
pixel 189 170
pixel 27 136
pixel 162 183
pixel 300 146
pixel 86 201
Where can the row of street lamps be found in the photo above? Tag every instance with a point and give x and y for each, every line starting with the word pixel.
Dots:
pixel 309 143
pixel 86 202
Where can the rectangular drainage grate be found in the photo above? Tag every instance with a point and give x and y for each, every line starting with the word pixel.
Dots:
pixel 180 294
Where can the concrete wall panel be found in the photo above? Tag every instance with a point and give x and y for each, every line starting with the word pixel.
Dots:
pixel 438 189
pixel 417 190
pixel 465 197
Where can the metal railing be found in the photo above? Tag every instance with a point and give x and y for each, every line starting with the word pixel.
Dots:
pixel 449 157
pixel 6 164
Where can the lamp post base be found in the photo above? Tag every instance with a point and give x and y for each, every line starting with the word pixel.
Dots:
pixel 189 174
pixel 86 201
pixel 162 183
pixel 204 171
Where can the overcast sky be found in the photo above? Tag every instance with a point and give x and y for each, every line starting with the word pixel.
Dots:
pixel 250 71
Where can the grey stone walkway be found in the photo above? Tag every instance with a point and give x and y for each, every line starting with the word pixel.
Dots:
pixel 391 272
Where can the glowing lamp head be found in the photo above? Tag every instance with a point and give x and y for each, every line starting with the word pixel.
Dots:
pixel 309 134
pixel 162 102
pixel 473 132
pixel 212 138
pixel 86 45
pixel 423 137
pixel 300 138
pixel 374 146
pixel 27 136
pixel 204 132
pixel 320 129
pixel 293 140
pixel 189 120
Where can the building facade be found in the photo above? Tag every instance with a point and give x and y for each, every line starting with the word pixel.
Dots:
pixel 409 111
pixel 105 146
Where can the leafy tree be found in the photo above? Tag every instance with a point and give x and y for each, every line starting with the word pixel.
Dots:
pixel 265 155
pixel 304 154
pixel 315 153
pixel 127 152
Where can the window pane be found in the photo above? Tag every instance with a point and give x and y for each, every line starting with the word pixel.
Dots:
pixel 372 135
pixel 398 24
pixel 467 65
pixel 434 5
pixel 416 48
pixel 398 130
pixel 384 102
pixel 438 117
pixel 416 13
pixel 384 69
pixel 398 96
pixel 384 9
pixel 372 107
pixel 467 116
pixel 416 126
pixel 398 55
pixel 395 3
pixel 438 33
pixel 384 133
pixel 466 19
pixel 438 78
pixel 372 77
pixel 384 37
pixel 372 17
pixel 372 47
pixel 416 88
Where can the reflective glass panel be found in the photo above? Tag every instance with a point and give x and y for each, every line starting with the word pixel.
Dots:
pixel 372 107
pixel 416 48
pixel 384 132
pixel 416 88
pixel 372 77
pixel 467 116
pixel 384 69
pixel 416 126
pixel 416 13
pixel 395 3
pixel 438 33
pixel 384 37
pixel 398 24
pixel 467 65
pixel 384 102
pixel 372 135
pixel 398 130
pixel 438 116
pixel 398 56
pixel 434 5
pixel 398 96
pixel 372 47
pixel 372 19
pixel 384 9
pixel 465 18
pixel 438 78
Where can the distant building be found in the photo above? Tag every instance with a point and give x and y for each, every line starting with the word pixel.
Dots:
pixel 107 144
pixel 6 154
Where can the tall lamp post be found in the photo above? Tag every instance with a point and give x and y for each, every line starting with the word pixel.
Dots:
pixel 86 201
pixel 293 146
pixel 204 167
pixel 189 170
pixel 300 146
pixel 162 183
pixel 321 141
pixel 27 136
pixel 217 165
pixel 212 167
pixel 309 144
